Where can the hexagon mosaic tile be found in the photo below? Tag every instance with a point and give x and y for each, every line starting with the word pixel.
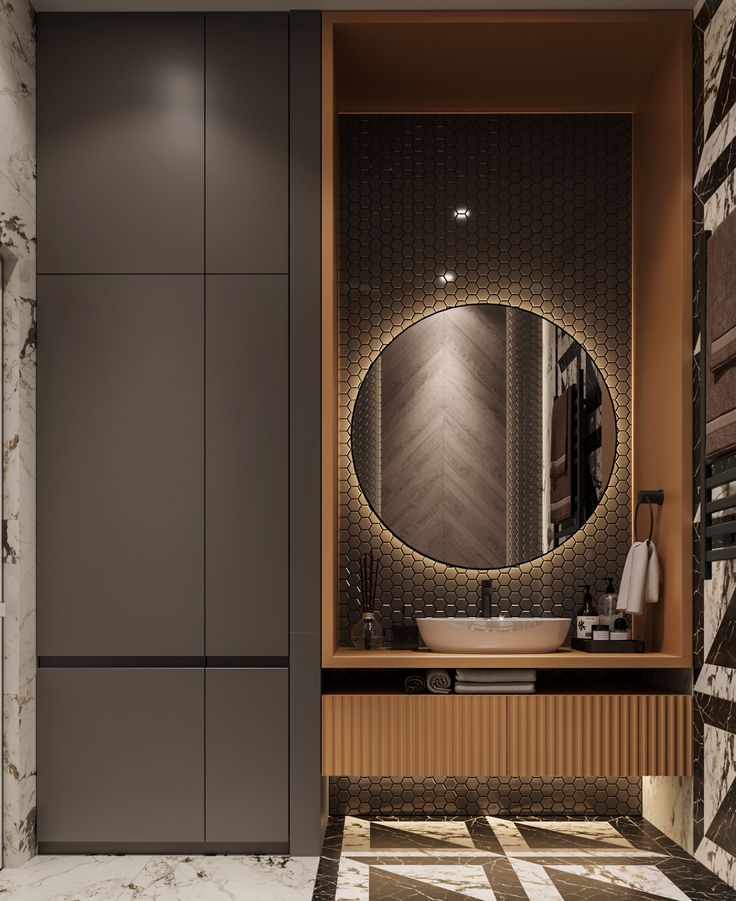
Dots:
pixel 548 229
pixel 501 796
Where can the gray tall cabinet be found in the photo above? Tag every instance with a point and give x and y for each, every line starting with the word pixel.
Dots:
pixel 178 381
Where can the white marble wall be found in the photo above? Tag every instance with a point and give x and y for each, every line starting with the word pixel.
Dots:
pixel 686 809
pixel 667 803
pixel 714 796
pixel 17 248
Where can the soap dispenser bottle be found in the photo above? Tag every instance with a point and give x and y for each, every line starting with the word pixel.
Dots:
pixel 587 618
pixel 607 604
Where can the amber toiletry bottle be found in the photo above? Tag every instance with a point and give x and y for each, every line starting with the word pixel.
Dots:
pixel 587 618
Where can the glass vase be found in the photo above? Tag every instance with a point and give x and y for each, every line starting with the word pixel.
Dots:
pixel 368 634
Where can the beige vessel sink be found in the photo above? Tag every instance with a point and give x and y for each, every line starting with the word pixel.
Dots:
pixel 509 635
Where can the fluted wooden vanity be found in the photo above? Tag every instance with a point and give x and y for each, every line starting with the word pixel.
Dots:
pixel 547 734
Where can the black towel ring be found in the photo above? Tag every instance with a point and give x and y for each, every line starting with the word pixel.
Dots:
pixel 649 498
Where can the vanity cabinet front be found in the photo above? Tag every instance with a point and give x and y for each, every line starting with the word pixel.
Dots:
pixel 507 735
pixel 120 757
pixel 247 768
pixel 247 469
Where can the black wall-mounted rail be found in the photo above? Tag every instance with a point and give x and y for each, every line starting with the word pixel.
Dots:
pixel 651 499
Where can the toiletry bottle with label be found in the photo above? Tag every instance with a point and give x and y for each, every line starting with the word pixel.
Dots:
pixel 607 604
pixel 587 618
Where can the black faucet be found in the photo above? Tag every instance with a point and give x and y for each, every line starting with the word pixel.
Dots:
pixel 486 598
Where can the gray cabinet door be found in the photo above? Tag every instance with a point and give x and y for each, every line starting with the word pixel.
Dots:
pixel 120 465
pixel 247 465
pixel 120 755
pixel 247 768
pixel 120 142
pixel 247 128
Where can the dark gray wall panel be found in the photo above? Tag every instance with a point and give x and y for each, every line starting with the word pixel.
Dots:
pixel 247 465
pixel 247 142
pixel 120 143
pixel 120 465
pixel 120 755
pixel 305 430
pixel 247 774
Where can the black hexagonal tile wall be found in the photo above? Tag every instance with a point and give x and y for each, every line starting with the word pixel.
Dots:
pixel 549 230
pixel 472 796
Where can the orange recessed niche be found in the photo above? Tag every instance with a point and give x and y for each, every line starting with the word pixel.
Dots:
pixel 637 63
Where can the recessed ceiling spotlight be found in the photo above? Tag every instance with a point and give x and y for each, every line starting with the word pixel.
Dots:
pixel 447 277
pixel 462 213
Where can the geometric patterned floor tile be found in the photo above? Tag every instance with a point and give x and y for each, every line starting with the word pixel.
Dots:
pixel 464 880
pixel 503 859
pixel 424 836
pixel 548 837
pixel 395 887
pixel 637 878
pixel 584 888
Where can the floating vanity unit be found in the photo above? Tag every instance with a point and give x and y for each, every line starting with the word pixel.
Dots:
pixel 642 733
pixel 498 258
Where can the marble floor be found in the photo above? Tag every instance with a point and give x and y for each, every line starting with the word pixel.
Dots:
pixel 393 859
pixel 495 859
pixel 145 878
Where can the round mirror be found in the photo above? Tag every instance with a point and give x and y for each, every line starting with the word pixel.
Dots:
pixel 483 436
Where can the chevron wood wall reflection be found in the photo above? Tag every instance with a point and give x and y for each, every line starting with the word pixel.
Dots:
pixel 443 425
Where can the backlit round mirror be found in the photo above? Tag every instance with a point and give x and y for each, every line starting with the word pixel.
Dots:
pixel 483 436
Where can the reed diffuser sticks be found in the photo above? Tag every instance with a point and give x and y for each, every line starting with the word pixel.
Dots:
pixel 367 634
pixel 368 581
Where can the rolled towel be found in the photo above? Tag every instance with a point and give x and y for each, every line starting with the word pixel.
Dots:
pixel 439 682
pixel 496 675
pixel 495 688
pixel 415 684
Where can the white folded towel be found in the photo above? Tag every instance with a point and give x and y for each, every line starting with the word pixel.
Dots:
pixel 495 688
pixel 640 581
pixel 496 675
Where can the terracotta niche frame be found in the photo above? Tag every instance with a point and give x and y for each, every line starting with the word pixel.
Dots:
pixel 637 63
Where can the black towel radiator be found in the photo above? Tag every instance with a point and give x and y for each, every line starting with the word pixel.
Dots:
pixel 564 529
pixel 583 442
pixel 717 514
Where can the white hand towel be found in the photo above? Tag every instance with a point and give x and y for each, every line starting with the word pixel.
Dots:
pixel 496 675
pixel 495 688
pixel 634 579
pixel 651 593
